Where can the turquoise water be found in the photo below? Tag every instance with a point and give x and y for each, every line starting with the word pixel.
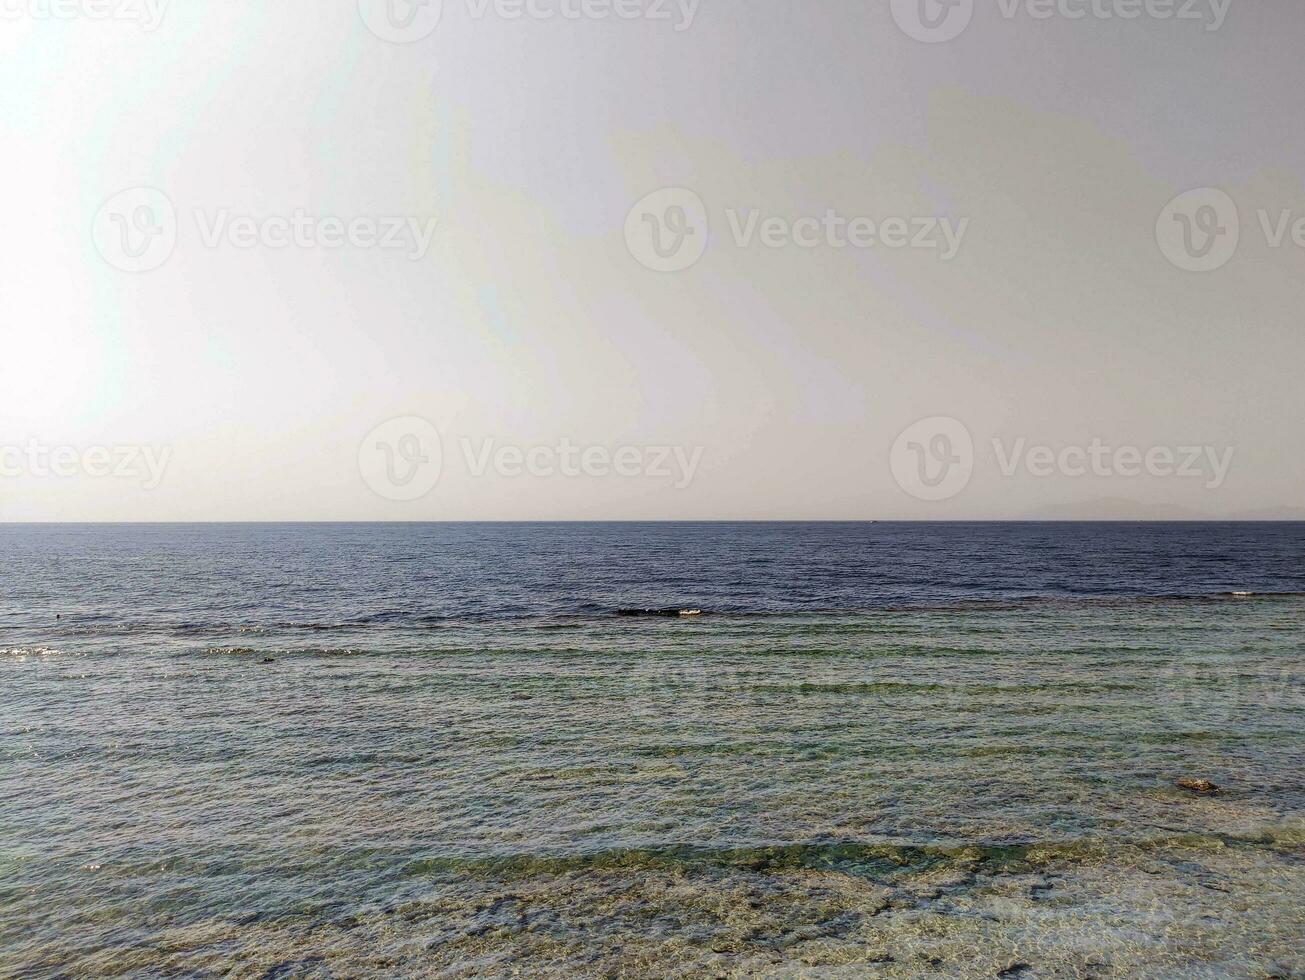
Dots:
pixel 932 787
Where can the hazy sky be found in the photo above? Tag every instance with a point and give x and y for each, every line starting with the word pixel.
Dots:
pixel 974 231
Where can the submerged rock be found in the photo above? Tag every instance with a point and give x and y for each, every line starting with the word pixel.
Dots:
pixel 1202 786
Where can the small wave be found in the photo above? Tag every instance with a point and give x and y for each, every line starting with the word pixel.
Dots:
pixel 1264 595
pixel 871 860
pixel 993 604
pixel 229 651
pixel 583 614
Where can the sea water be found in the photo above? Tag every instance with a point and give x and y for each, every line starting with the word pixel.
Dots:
pixel 493 750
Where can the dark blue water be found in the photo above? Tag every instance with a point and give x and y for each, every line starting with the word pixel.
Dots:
pixel 883 749
pixel 170 577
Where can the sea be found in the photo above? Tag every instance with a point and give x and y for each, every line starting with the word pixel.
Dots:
pixel 652 750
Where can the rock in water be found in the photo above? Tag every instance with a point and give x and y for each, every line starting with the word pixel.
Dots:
pixel 1202 786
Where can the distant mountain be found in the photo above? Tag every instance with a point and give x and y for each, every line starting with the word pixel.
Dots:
pixel 1112 509
pixel 1271 514
pixel 1122 509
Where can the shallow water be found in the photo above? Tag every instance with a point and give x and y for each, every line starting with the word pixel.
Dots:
pixel 843 768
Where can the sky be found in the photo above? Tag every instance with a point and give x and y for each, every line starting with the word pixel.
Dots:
pixel 651 259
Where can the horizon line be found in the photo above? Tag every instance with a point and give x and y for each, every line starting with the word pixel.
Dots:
pixel 635 521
